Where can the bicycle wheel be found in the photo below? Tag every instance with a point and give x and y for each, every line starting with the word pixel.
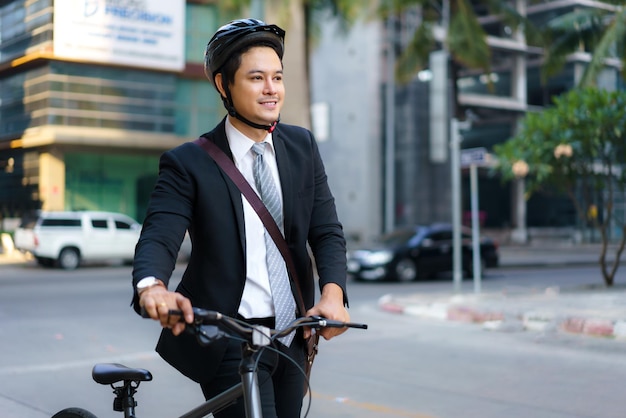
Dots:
pixel 74 413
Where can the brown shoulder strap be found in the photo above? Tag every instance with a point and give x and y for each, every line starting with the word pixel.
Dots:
pixel 227 165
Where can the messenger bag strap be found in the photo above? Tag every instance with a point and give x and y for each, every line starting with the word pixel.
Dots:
pixel 228 166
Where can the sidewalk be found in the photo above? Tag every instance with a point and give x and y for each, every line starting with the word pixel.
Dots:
pixel 590 310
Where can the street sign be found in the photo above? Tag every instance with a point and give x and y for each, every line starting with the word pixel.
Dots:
pixel 474 156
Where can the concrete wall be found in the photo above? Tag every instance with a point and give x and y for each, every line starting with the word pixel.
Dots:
pixel 346 76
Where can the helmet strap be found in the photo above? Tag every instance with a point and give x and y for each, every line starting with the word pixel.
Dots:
pixel 228 104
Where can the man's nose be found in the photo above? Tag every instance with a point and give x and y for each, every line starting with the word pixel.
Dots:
pixel 270 86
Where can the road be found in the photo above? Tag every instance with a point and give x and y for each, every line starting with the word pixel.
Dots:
pixel 57 324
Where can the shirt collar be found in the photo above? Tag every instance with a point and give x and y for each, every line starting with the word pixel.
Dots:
pixel 240 144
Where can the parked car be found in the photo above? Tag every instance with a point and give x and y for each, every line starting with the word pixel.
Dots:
pixel 66 239
pixel 23 236
pixel 417 252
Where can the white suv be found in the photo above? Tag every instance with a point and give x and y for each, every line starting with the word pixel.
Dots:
pixel 67 238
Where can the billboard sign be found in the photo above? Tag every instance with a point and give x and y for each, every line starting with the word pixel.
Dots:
pixel 141 33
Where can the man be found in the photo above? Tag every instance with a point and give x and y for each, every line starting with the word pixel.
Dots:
pixel 227 270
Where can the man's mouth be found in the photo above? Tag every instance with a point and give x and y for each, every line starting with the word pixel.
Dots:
pixel 269 104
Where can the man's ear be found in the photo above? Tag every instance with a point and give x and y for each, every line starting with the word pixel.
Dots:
pixel 218 84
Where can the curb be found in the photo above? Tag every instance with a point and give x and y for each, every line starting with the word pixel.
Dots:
pixel 498 321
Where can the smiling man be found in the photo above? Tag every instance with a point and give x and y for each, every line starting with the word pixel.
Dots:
pixel 234 267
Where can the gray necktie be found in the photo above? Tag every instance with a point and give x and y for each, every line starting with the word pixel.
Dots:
pixel 284 304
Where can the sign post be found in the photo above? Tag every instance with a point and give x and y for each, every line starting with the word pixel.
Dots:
pixel 474 158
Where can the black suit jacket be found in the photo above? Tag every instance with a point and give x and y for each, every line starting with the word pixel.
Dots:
pixel 192 193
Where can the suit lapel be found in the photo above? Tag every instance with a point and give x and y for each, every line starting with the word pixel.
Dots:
pixel 286 180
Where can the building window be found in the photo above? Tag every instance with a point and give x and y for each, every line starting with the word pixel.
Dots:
pixel 83 95
pixel 24 27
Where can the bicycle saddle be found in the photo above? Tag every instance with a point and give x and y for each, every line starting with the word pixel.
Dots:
pixel 109 373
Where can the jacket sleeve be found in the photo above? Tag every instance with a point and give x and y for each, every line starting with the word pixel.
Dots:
pixel 167 219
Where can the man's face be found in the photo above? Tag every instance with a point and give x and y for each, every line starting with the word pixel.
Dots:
pixel 258 90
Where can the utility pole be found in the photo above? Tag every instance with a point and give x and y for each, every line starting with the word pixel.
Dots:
pixel 455 167
pixel 390 151
pixel 455 160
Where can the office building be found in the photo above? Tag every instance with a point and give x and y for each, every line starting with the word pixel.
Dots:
pixel 492 104
pixel 91 93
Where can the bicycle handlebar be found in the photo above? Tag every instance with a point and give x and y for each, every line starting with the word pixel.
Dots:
pixel 240 328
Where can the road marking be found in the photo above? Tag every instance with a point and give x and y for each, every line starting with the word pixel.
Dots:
pixel 389 412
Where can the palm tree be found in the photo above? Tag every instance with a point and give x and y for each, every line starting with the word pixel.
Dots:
pixel 452 25
pixel 600 30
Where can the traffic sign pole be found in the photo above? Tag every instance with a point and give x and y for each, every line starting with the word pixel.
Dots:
pixel 475 228
pixel 474 158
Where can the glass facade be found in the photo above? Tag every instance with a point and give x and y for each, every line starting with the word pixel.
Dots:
pixel 201 23
pixel 198 107
pixel 25 26
pixel 117 183
pixel 83 95
pixel 496 84
pixel 19 192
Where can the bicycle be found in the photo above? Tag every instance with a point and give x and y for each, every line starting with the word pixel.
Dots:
pixel 207 326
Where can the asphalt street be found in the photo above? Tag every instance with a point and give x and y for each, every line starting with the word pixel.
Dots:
pixel 495 308
pixel 592 310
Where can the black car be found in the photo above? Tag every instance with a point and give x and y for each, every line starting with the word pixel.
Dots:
pixel 417 252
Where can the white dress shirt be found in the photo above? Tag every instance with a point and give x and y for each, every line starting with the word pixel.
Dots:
pixel 256 301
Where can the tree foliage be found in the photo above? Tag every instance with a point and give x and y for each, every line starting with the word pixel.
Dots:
pixel 577 146
pixel 599 30
pixel 465 38
pixel 345 12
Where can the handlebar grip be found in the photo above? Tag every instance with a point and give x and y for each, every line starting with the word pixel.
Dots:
pixel 200 315
pixel 207 315
pixel 172 312
pixel 338 324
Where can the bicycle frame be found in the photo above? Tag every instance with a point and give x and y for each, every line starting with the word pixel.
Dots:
pixel 248 389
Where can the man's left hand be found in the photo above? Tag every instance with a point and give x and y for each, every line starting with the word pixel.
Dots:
pixel 330 307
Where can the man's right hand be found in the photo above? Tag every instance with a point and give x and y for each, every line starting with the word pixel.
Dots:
pixel 157 302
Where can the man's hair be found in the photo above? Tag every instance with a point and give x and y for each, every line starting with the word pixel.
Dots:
pixel 233 63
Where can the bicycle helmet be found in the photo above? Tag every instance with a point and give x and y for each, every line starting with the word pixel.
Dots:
pixel 237 35
pixel 233 37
